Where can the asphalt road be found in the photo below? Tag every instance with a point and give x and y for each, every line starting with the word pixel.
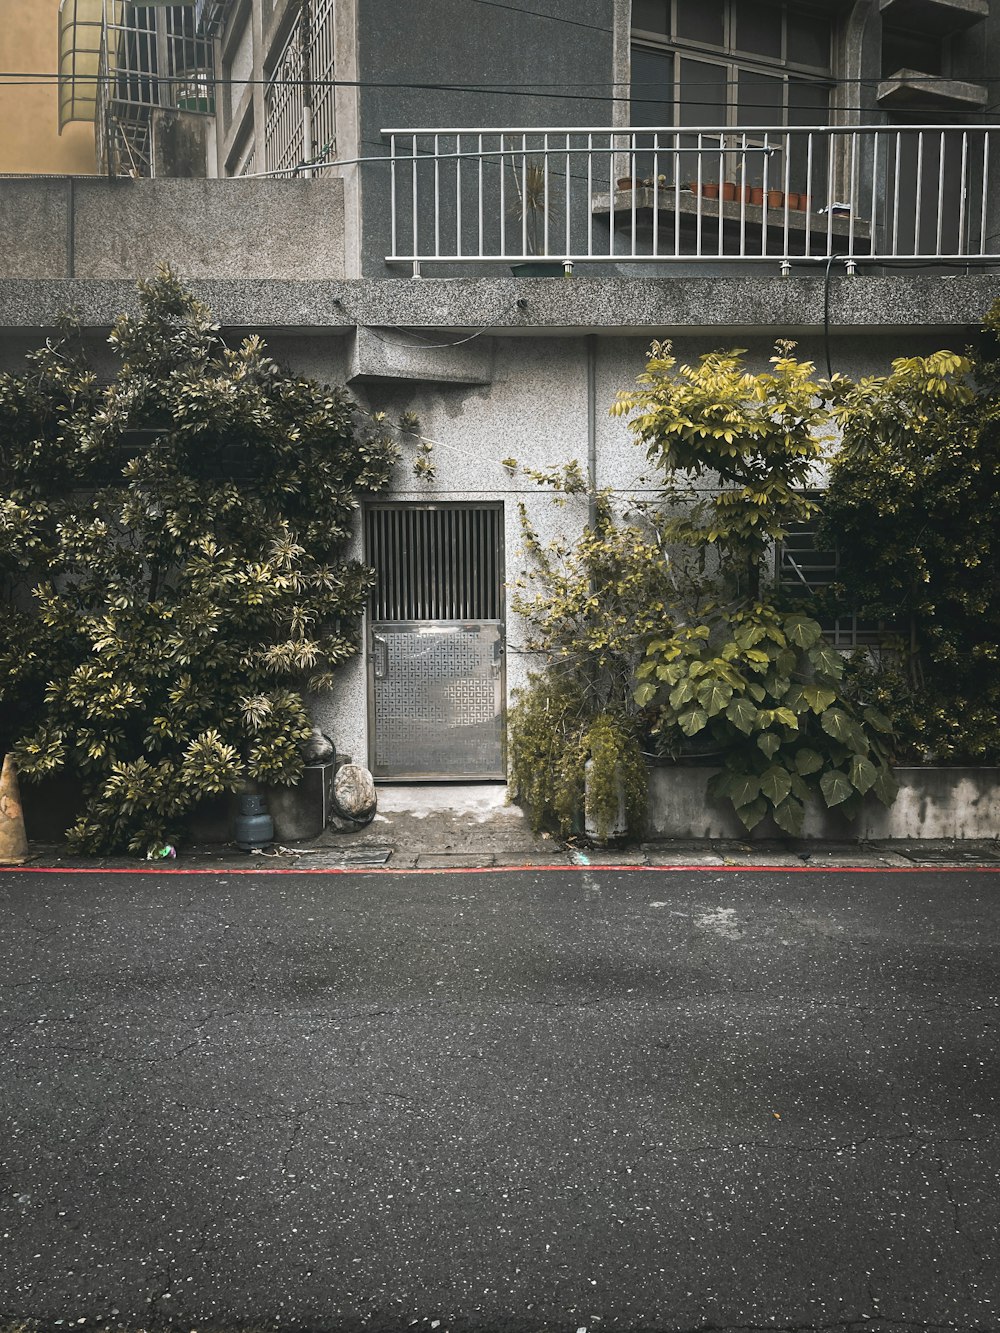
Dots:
pixel 577 1099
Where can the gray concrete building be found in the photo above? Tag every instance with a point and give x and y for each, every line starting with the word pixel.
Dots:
pixel 358 182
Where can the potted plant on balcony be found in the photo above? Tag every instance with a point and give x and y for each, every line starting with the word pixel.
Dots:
pixel 529 209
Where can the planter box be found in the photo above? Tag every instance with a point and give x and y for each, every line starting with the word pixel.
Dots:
pixel 932 803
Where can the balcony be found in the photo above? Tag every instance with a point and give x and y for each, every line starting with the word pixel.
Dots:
pixel 919 193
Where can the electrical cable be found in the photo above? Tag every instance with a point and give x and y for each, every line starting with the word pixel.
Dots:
pixel 42 78
pixel 422 344
pixel 553 18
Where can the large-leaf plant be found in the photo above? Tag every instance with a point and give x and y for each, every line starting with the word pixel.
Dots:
pixel 764 690
pixel 738 675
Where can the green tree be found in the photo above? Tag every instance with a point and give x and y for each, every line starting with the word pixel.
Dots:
pixel 914 506
pixel 172 565
pixel 754 439
pixel 736 675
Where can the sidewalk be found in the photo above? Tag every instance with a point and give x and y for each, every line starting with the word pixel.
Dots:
pixel 456 827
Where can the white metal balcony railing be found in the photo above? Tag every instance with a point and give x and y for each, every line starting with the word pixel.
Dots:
pixel 871 193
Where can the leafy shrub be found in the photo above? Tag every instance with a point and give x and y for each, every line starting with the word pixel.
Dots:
pixel 757 437
pixel 552 738
pixel 914 504
pixel 753 683
pixel 764 689
pixel 172 565
pixel 587 604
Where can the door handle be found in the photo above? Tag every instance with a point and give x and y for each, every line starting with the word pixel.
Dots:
pixel 380 657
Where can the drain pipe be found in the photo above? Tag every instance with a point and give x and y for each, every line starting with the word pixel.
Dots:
pixel 591 341
pixel 305 43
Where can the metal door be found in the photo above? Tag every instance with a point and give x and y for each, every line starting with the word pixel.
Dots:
pixel 436 641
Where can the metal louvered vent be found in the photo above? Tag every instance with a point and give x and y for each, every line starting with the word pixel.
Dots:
pixel 435 562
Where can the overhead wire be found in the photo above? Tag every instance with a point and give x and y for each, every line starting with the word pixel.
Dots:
pixel 31 78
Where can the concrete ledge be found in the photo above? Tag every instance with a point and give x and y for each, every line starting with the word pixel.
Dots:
pixel 961 803
pixel 89 227
pixel 401 357
pixel 875 305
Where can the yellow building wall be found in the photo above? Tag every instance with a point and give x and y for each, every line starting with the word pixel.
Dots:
pixel 30 141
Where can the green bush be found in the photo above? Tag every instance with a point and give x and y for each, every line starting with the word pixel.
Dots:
pixel 588 604
pixel 172 565
pixel 764 690
pixel 735 673
pixel 551 739
pixel 914 506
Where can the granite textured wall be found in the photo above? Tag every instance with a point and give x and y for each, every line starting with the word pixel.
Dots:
pixel 96 228
pixel 33 289
pixel 535 410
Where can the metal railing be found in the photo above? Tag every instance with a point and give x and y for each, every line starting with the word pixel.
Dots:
pixel 694 194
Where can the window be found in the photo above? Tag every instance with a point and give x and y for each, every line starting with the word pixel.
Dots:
pixel 731 63
pixel 806 569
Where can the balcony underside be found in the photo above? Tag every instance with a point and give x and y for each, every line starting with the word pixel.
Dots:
pixel 910 90
pixel 934 18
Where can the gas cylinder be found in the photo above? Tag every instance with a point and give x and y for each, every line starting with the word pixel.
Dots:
pixel 253 826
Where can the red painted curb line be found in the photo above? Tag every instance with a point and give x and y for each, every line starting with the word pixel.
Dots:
pixel 506 869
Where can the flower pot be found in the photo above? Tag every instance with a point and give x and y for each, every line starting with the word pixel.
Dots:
pixel 624 182
pixel 729 191
pixel 710 190
pixel 775 198
pixel 803 203
pixel 793 200
pixel 757 195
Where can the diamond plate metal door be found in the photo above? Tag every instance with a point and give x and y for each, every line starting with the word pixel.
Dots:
pixel 437 699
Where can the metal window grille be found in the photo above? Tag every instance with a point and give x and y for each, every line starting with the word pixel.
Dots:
pixel 435 562
pixel 323 73
pixel 806 568
pixel 151 56
pixel 283 97
pixel 283 108
pixel 243 160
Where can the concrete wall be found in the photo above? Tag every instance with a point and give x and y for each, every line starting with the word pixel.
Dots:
pixel 932 803
pixel 29 111
pixel 205 228
pixel 555 62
